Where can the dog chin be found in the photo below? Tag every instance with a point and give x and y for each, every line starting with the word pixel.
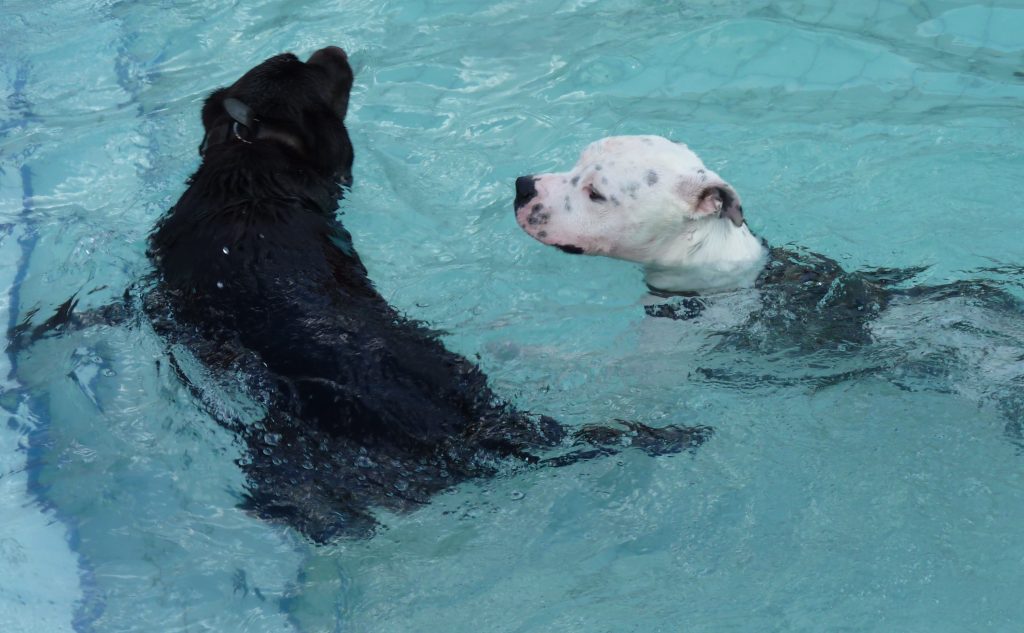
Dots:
pixel 548 240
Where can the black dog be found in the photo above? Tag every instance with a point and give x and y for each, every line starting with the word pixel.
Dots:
pixel 361 407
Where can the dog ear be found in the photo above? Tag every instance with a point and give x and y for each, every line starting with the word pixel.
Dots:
pixel 723 202
pixel 212 107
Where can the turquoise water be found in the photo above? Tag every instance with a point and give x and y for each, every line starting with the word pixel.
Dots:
pixel 880 133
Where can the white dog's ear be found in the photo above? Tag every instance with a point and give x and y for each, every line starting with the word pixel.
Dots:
pixel 710 201
pixel 723 202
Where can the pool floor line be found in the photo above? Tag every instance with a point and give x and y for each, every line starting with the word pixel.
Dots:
pixel 90 604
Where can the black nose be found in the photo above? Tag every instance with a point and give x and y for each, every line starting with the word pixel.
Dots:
pixel 525 190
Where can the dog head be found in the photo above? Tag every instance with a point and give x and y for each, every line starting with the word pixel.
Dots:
pixel 629 197
pixel 297 106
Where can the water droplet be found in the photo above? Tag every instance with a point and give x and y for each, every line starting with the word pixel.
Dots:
pixel 225 250
pixel 220 284
pixel 364 462
pixel 401 485
pixel 516 495
pixel 272 438
pixel 109 372
pixel 261 236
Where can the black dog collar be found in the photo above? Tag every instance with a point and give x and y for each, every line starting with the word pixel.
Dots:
pixel 246 128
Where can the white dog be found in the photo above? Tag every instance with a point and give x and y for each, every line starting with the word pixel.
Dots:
pixel 648 200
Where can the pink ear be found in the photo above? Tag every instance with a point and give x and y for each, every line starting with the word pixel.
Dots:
pixel 723 202
pixel 710 201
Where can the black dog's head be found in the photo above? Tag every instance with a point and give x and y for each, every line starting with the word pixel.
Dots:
pixel 295 105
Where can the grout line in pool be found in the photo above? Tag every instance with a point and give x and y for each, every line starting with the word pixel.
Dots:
pixel 83 616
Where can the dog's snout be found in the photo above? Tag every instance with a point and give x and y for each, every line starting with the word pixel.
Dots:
pixel 526 190
pixel 336 52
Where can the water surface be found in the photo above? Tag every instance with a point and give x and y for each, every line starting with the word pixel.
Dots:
pixel 880 133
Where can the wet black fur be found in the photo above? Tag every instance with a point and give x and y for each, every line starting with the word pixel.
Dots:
pixel 361 406
pixel 817 314
pixel 809 302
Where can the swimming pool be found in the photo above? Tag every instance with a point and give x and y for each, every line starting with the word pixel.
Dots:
pixel 880 133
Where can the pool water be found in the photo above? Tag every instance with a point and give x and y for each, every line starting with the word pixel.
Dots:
pixel 881 133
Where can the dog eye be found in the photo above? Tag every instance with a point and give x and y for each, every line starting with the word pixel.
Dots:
pixel 594 194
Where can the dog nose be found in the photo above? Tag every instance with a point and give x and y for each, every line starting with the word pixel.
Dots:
pixel 526 190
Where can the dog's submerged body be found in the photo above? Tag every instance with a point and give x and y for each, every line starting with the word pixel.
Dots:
pixel 361 407
pixel 652 201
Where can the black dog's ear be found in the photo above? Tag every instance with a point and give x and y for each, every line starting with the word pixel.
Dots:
pixel 212 107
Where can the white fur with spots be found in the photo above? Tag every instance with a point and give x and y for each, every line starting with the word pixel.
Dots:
pixel 652 201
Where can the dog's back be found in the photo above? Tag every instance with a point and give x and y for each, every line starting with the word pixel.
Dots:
pixel 255 271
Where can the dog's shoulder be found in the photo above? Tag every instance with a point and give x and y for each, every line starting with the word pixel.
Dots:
pixel 810 299
pixel 679 307
pixel 803 297
pixel 801 278
pixel 797 267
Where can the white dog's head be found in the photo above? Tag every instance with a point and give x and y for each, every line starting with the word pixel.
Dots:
pixel 648 200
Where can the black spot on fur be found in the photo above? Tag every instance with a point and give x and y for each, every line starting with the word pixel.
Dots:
pixel 652 178
pixel 537 216
pixel 575 181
